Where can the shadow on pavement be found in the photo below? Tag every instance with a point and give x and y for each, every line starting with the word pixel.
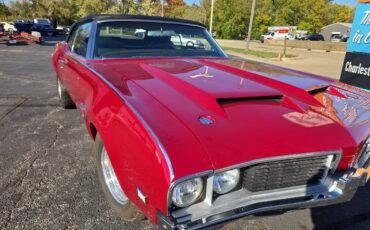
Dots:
pixel 350 215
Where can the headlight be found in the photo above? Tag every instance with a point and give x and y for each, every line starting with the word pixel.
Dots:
pixel 226 181
pixel 187 192
pixel 364 158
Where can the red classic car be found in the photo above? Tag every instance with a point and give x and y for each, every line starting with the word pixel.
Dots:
pixel 190 138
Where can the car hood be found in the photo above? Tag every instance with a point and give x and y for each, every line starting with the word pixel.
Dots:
pixel 258 110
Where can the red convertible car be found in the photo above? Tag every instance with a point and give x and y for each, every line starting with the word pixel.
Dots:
pixel 189 137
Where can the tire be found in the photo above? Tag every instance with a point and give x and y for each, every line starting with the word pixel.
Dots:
pixel 119 202
pixel 65 100
pixel 190 44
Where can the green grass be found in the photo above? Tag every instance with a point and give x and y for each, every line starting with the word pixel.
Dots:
pixel 256 53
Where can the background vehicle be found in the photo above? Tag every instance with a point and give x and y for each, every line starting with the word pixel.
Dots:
pixel 41 21
pixel 344 39
pixel 186 41
pixel 315 37
pixel 301 35
pixel 279 33
pixel 9 26
pixel 46 30
pixel 336 38
pixel 23 26
pixel 175 138
pixel 268 36
pixel 43 29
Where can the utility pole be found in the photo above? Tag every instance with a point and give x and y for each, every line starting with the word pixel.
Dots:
pixel 250 24
pixel 210 25
pixel 162 8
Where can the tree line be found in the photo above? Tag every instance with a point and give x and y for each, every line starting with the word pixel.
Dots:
pixel 231 17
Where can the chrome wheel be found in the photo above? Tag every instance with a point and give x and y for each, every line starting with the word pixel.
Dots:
pixel 111 180
pixel 59 89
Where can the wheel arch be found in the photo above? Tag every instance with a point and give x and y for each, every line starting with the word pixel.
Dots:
pixel 92 130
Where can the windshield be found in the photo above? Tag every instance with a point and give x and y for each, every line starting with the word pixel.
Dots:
pixel 123 39
pixel 42 21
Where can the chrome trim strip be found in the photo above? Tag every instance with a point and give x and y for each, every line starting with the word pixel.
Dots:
pixel 148 20
pixel 91 42
pixel 141 195
pixel 337 153
pixel 167 57
pixel 168 161
pixel 336 194
pixel 174 183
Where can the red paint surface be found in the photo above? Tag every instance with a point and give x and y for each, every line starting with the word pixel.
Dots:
pixel 172 93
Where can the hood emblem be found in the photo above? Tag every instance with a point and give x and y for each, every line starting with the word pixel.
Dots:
pixel 206 120
pixel 205 74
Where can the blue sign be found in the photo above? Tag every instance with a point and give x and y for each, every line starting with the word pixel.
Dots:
pixel 359 40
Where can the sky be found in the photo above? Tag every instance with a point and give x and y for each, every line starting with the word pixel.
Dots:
pixel 351 2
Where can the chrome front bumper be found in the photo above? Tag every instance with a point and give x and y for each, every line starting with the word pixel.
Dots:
pixel 337 190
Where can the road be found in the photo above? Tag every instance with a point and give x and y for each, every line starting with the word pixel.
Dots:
pixel 320 62
pixel 47 174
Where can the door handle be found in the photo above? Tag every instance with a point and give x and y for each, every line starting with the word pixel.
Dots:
pixel 61 61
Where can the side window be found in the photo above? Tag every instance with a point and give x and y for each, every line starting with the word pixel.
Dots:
pixel 71 39
pixel 82 39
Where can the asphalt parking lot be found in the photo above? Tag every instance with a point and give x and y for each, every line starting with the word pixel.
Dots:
pixel 47 174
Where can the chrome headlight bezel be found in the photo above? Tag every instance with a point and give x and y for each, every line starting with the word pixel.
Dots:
pixel 197 181
pixel 233 173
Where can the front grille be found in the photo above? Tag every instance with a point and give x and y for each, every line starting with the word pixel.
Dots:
pixel 285 173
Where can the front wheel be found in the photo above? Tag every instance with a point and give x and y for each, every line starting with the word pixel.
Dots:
pixel 113 192
pixel 65 100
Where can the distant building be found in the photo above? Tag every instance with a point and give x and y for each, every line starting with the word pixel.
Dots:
pixel 343 29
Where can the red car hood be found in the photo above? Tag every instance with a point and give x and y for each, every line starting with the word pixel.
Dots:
pixel 258 110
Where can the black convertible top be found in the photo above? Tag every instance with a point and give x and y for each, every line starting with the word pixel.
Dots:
pixel 98 17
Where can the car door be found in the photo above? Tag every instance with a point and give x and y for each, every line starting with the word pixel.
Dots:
pixel 74 68
pixel 62 61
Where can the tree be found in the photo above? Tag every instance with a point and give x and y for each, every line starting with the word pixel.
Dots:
pixel 4 11
pixel 231 18
pixel 150 7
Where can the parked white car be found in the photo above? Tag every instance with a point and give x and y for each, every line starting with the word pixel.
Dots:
pixel 184 40
pixel 9 26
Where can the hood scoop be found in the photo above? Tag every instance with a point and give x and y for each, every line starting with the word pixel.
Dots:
pixel 326 89
pixel 286 89
pixel 225 101
pixel 318 90
pixel 280 99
